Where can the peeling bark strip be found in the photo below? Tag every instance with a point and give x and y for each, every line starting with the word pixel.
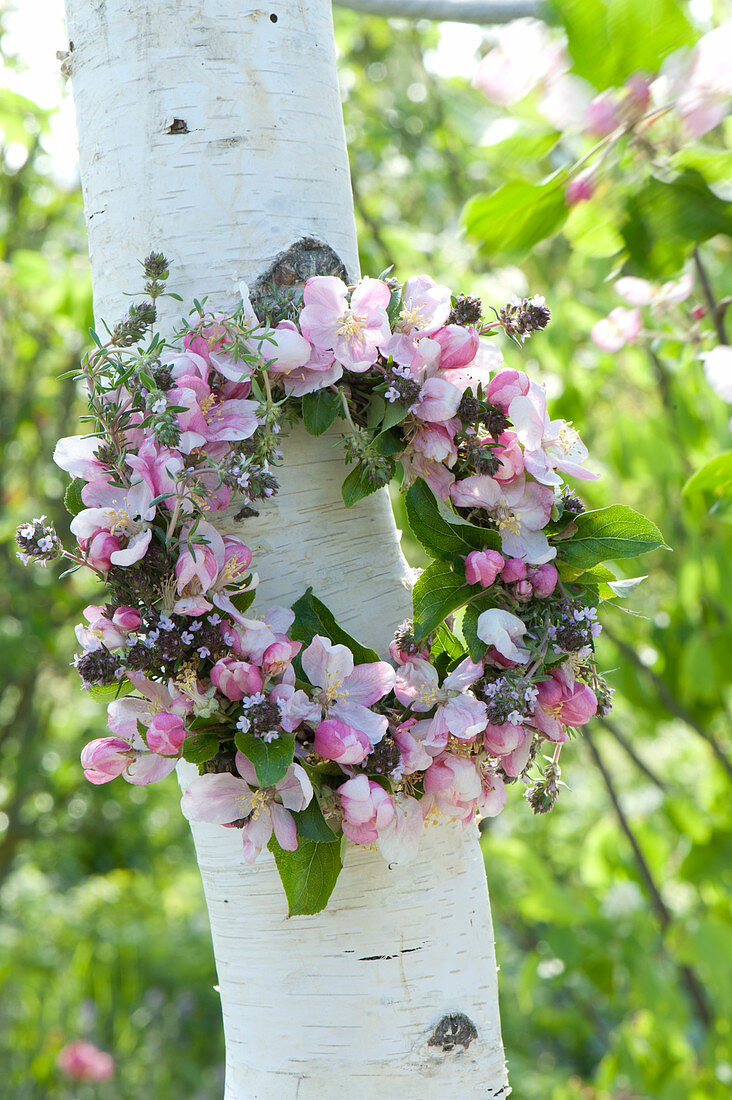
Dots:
pixel 341 1003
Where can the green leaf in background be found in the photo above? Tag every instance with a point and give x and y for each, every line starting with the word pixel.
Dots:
pixel 609 40
pixel 714 164
pixel 72 497
pixel 200 747
pixel 320 410
pixel 591 231
pixel 516 216
pixel 271 759
pixel 714 478
pixel 441 537
pixel 313 617
pixel 666 220
pixel 615 532
pixel 437 593
pixel 312 825
pixel 107 693
pixel 308 874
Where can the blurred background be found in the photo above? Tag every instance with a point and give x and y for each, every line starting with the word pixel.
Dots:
pixel 612 915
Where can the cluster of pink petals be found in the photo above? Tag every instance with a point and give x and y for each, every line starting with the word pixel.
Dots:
pixel 81 1060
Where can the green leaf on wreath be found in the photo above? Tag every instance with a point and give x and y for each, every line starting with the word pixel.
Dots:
pixel 357 485
pixel 313 617
pixel 308 874
pixel 200 747
pixel 438 592
pixel 312 825
pixel 477 648
pixel 72 497
pixel 271 759
pixel 107 693
pixel 320 410
pixel 607 534
pixel 442 533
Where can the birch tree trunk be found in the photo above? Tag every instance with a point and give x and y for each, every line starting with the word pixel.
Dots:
pixel 211 130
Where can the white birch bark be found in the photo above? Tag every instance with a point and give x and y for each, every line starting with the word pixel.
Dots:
pixel 343 1003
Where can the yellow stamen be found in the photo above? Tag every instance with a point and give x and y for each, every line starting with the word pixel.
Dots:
pixel 351 324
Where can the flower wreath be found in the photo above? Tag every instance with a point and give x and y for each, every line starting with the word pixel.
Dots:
pixel 303 737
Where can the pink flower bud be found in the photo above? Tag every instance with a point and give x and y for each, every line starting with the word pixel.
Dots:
pixel 126 619
pixel 99 549
pixel 513 570
pixel 638 89
pixel 579 189
pixel 338 741
pixel 698 313
pixel 544 579
pixel 483 566
pixel 106 758
pixel 459 345
pixel 166 733
pixel 601 116
pixel 278 656
pixel 620 327
pixel 235 679
pixel 524 590
pixel 506 385
pixel 82 1061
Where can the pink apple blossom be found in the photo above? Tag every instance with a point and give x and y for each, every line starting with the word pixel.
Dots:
pixel 561 703
pixel 347 692
pixel 352 330
pixel 521 509
pixel 77 455
pixel 367 809
pixel 580 188
pixel 222 798
pixel 425 306
pixel 620 327
pixel 550 446
pixel 458 713
pixel 438 401
pixel 123 513
pixel 82 1061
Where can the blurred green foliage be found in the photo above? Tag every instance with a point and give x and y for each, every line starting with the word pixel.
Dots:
pixel 612 919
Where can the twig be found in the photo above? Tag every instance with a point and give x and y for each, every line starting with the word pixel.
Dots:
pixel 622 740
pixel 456 11
pixel 695 989
pixel 716 309
pixel 669 700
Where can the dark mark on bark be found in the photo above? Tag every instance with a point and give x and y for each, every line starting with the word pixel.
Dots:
pixel 453 1030
pixel 177 126
pixel 376 958
pixel 293 267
